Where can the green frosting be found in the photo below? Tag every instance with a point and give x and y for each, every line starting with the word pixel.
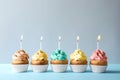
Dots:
pixel 58 55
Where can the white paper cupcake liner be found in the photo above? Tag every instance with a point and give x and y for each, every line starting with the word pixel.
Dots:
pixel 59 67
pixel 98 68
pixel 20 68
pixel 39 68
pixel 78 68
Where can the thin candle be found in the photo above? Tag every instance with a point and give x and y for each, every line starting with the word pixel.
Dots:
pixel 77 42
pixel 41 38
pixel 21 40
pixel 98 40
pixel 59 42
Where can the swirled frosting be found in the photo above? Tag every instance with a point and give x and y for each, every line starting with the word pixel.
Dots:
pixel 20 55
pixel 39 55
pixel 98 55
pixel 78 55
pixel 58 55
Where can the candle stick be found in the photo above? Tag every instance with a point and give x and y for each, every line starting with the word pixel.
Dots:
pixel 41 38
pixel 98 40
pixel 21 40
pixel 77 42
pixel 59 42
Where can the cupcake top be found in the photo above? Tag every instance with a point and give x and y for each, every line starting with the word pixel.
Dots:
pixel 20 57
pixel 78 55
pixel 98 55
pixel 58 55
pixel 39 55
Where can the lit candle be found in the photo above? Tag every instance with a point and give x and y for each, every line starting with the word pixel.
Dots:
pixel 21 40
pixel 77 42
pixel 59 42
pixel 41 38
pixel 98 40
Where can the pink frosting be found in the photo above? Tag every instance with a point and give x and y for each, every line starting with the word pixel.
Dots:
pixel 98 55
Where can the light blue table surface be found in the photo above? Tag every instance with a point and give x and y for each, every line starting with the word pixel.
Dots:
pixel 112 73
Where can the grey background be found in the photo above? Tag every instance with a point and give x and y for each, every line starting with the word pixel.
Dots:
pixel 51 18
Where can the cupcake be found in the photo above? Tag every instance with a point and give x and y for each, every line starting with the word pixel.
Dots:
pixel 39 61
pixel 78 61
pixel 20 61
pixel 98 61
pixel 59 61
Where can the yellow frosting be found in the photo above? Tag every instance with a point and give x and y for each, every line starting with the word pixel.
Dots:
pixel 39 55
pixel 78 55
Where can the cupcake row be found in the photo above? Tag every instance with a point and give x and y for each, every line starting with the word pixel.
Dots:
pixel 59 61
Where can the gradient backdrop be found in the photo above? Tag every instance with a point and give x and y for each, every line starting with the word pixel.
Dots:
pixel 51 18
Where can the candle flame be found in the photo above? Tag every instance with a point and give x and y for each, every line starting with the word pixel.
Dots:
pixel 99 37
pixel 59 38
pixel 21 38
pixel 41 38
pixel 78 38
